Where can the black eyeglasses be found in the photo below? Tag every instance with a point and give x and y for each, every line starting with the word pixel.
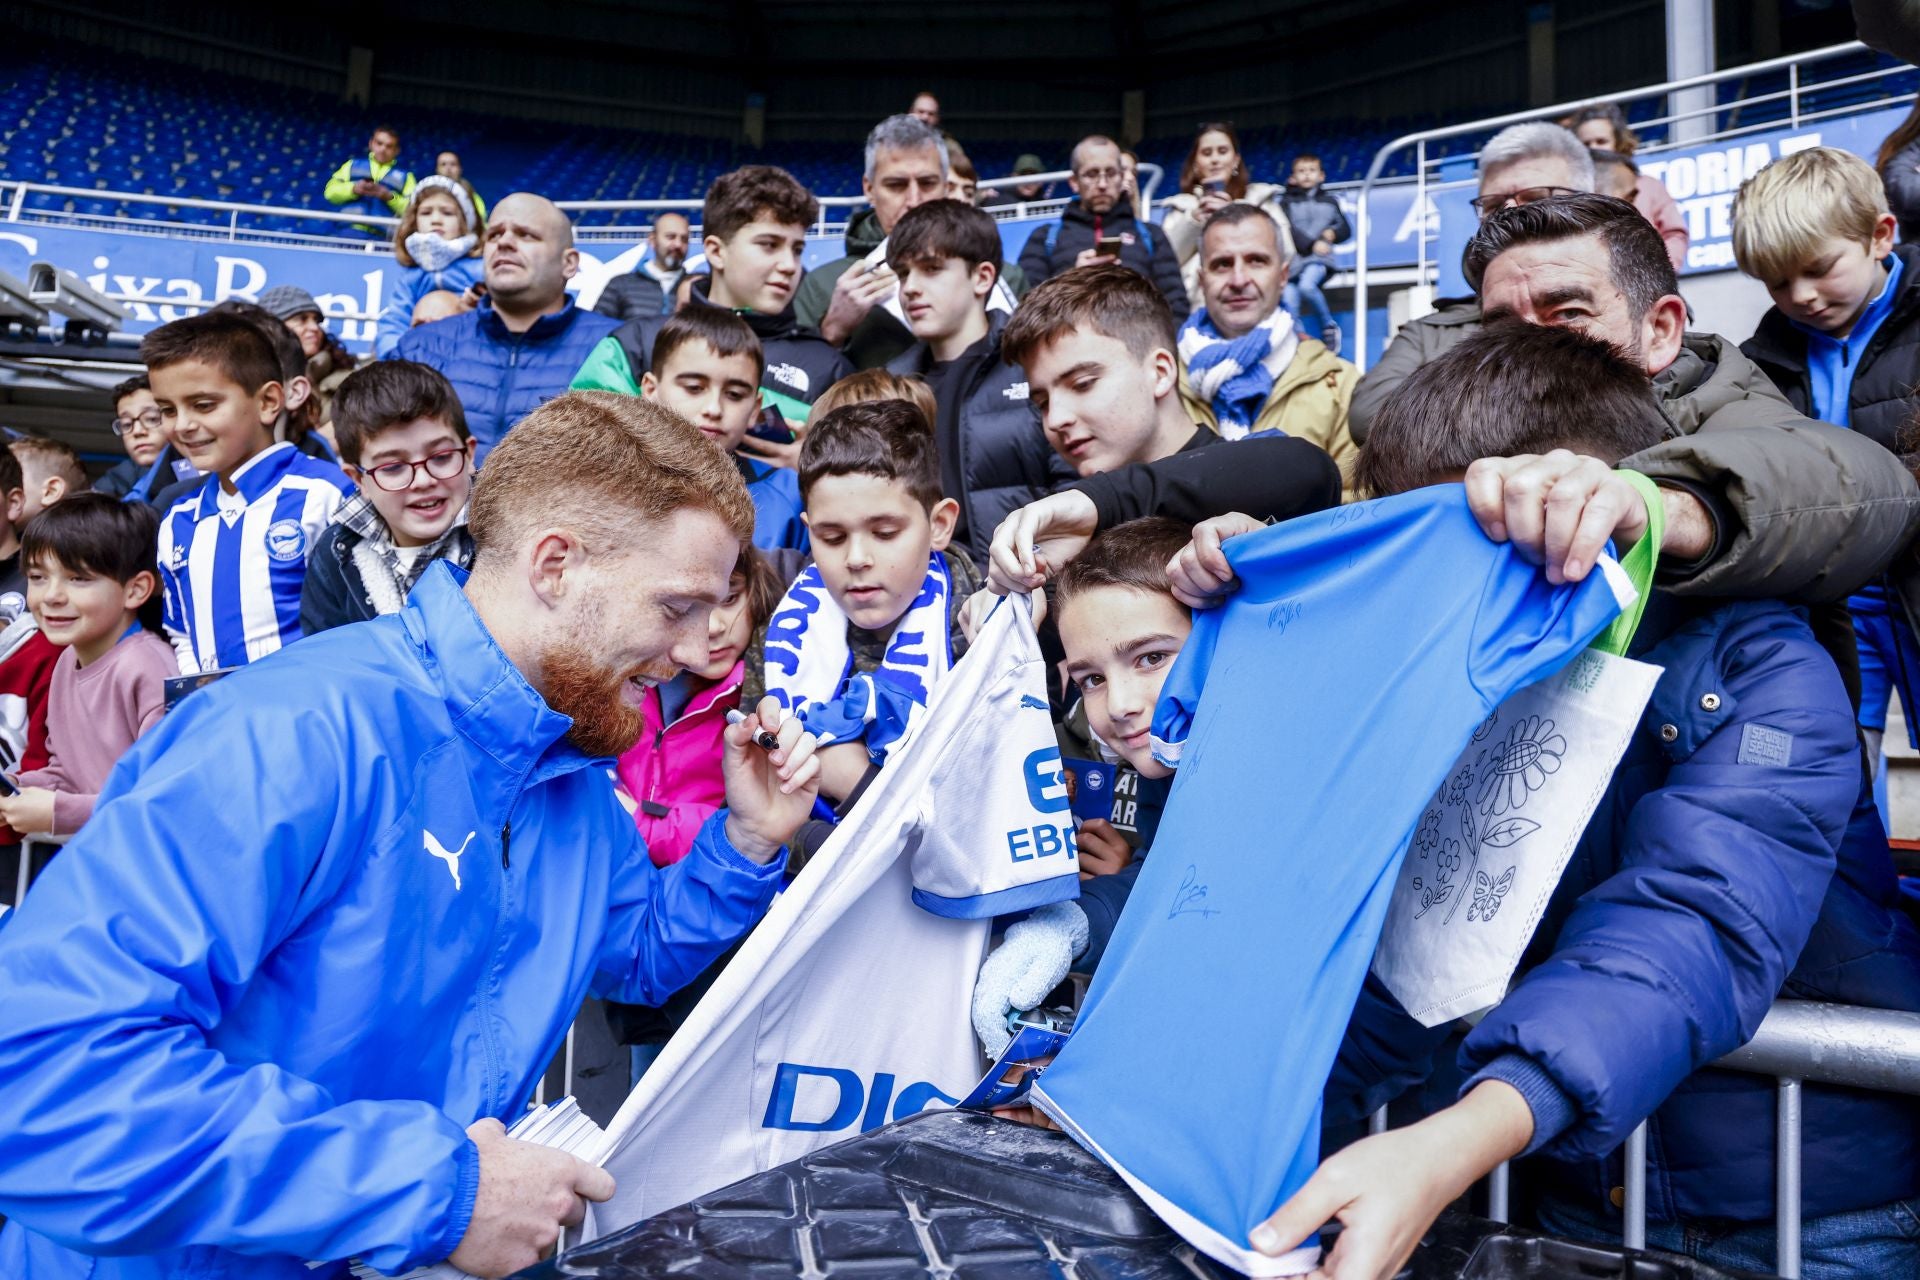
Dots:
pixel 395 476
pixel 1485 205
pixel 150 420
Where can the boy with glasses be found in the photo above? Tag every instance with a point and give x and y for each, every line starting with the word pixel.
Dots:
pixel 136 424
pixel 403 438
pixel 1101 225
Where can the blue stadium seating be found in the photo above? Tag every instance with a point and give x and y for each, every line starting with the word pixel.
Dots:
pixel 151 127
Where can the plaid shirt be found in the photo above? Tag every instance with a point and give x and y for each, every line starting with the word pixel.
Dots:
pixel 358 516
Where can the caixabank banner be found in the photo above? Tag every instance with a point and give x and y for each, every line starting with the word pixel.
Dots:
pixel 161 277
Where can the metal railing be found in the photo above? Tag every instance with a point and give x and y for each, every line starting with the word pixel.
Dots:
pixel 1799 1042
pixel 1151 176
pixel 32 849
pixel 1803 1042
pixel 19 193
pixel 1798 89
pixel 21 190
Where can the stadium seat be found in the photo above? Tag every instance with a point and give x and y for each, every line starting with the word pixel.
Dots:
pixel 143 126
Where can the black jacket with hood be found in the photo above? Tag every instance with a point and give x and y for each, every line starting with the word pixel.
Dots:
pixel 1005 460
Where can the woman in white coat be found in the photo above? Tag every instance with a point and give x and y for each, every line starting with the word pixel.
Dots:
pixel 1213 176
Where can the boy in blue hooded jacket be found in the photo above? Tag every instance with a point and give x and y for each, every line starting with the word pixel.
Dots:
pixel 1735 858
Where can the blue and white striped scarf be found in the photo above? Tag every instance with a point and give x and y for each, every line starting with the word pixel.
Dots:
pixel 1236 375
pixel 809 662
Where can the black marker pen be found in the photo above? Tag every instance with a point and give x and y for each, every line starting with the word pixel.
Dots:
pixel 764 739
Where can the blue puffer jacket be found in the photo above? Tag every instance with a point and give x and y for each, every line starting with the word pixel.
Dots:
pixel 776 504
pixel 333 910
pixel 1740 861
pixel 502 376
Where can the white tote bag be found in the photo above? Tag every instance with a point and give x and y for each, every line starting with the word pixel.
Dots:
pixel 848 1005
pixel 1498 834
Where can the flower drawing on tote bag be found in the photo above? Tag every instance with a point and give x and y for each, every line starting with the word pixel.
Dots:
pixel 1507 773
pixel 1428 836
pixel 1521 765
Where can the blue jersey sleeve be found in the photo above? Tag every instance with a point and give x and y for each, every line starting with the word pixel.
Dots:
pixel 1525 628
pixel 1180 694
pixel 1522 627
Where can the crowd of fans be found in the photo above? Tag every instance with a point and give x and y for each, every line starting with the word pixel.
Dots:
pixel 922 424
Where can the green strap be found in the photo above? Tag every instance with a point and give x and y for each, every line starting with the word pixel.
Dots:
pixel 1640 561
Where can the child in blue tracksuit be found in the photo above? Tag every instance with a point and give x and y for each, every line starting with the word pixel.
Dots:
pixel 436 246
pixel 1842 342
pixel 707 365
pixel 1735 858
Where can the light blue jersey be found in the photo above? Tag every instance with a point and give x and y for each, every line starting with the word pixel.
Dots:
pixel 1313 716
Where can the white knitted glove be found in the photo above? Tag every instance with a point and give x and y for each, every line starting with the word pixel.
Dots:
pixel 1030 961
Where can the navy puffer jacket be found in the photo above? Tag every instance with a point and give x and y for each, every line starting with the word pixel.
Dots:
pixel 1737 858
pixel 502 376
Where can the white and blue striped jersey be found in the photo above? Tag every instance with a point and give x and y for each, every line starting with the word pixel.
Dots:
pixel 232 564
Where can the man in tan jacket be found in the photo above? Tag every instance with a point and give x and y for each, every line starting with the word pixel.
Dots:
pixel 1243 367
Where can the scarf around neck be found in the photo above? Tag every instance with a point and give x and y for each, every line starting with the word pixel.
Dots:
pixel 809 662
pixel 1236 375
pixel 436 254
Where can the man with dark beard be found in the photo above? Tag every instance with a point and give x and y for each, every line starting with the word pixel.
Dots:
pixel 333 917
pixel 647 290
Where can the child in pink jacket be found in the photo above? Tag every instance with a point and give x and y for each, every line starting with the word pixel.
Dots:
pixel 670 780
pixel 94 591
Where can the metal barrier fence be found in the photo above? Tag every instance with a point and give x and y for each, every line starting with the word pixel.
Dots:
pixel 1150 179
pixel 1800 87
pixel 1799 1042
pixel 20 194
pixel 33 849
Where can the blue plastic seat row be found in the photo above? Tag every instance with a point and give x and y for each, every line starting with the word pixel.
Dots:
pixel 132 125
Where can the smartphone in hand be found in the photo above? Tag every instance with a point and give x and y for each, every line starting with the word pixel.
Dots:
pixel 772 427
pixel 1108 244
